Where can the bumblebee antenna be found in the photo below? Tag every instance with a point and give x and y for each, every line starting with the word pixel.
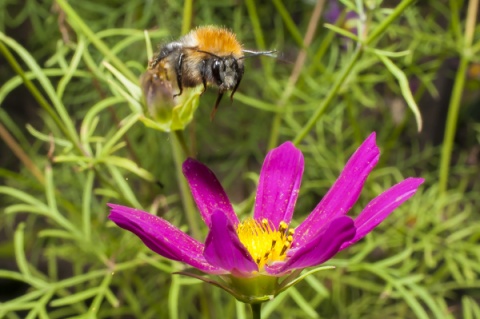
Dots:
pixel 257 53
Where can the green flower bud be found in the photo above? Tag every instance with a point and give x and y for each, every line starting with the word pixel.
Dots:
pixel 162 110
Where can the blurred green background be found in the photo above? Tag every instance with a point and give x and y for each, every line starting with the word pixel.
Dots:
pixel 71 141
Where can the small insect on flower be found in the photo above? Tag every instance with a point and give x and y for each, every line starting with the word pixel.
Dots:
pixel 208 55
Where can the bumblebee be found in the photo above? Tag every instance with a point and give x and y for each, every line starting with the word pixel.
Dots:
pixel 208 55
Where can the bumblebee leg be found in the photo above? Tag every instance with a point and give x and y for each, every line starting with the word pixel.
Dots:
pixel 239 71
pixel 178 70
pixel 203 70
pixel 215 107
pixel 235 89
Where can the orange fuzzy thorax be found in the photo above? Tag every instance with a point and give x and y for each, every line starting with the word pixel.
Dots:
pixel 218 41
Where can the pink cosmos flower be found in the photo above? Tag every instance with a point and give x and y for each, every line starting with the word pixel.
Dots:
pixel 265 246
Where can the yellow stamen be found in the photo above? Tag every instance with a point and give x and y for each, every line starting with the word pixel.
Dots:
pixel 265 243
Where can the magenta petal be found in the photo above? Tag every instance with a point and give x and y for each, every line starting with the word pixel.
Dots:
pixel 381 206
pixel 207 191
pixel 322 246
pixel 279 183
pixel 162 237
pixel 344 193
pixel 224 250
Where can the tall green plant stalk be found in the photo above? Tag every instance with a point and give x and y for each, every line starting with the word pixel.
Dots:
pixel 257 31
pixel 187 16
pixel 299 63
pixel 255 22
pixel 455 100
pixel 179 155
pixel 345 72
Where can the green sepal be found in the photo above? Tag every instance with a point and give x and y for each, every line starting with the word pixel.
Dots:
pixel 240 292
pixel 256 289
pixel 167 118
pixel 292 279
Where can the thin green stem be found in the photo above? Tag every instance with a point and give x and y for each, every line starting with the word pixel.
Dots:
pixel 295 75
pixel 388 21
pixel 331 95
pixel 347 69
pixel 33 89
pixel 255 24
pixel 21 154
pixel 187 16
pixel 174 298
pixel 455 101
pixel 455 24
pixel 187 201
pixel 257 32
pixel 80 26
pixel 181 139
pixel 86 205
pixel 289 22
pixel 256 310
pixel 471 22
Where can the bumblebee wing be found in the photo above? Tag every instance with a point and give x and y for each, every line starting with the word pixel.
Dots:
pixel 165 51
pixel 250 53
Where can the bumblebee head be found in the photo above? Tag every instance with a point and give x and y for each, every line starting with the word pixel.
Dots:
pixel 227 72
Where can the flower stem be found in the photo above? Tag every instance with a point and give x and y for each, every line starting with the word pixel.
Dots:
pixel 256 310
pixel 179 156
pixel 378 31
pixel 331 95
pixel 455 101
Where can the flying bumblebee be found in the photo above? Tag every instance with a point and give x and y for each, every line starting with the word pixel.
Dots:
pixel 208 55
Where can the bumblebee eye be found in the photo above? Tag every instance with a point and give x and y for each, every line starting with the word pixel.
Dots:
pixel 216 71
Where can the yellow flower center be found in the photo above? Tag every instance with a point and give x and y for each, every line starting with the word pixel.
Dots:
pixel 265 243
